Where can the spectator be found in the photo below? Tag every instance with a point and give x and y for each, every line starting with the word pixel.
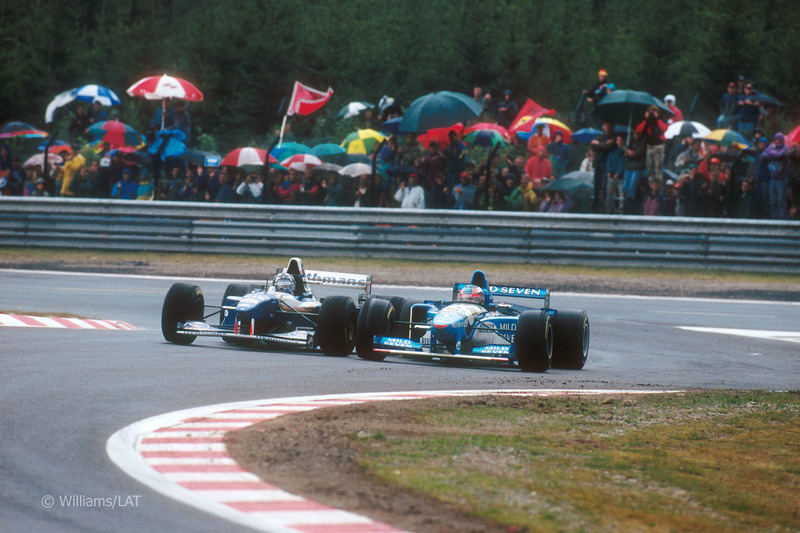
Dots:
pixel 464 193
pixel 538 168
pixel 748 203
pixel 251 189
pixel 599 89
pixel 602 147
pixel 364 192
pixel 381 195
pixel 635 167
pixel 39 188
pixel 728 106
pixel 189 191
pixel 777 157
pixel 615 173
pixel 652 205
pixel 82 184
pixel 126 188
pixel 432 164
pixel 15 179
pixel 516 167
pixel 226 193
pixel 79 122
pixel 677 115
pixel 653 129
pixel 538 139
pixel 336 193
pixel 456 156
pixel 718 178
pixel 313 191
pixel 213 184
pixel 146 190
pixel 439 194
pixel 562 203
pixel 491 198
pixel 70 167
pixel 587 163
pixel 748 112
pixel 410 154
pixel 179 118
pixel 289 190
pixel 559 154
pixel 697 194
pixel 97 113
pixel 507 110
pixel 411 196
pixel 761 176
pixel 5 157
pixel 487 115
pixel 523 197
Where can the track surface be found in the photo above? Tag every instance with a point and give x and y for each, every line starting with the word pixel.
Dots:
pixel 65 391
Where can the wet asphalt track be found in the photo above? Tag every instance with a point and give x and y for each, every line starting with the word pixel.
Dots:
pixel 64 392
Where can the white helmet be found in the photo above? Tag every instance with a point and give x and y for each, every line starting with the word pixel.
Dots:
pixel 284 283
pixel 471 293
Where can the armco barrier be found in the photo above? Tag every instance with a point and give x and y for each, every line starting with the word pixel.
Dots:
pixel 409 234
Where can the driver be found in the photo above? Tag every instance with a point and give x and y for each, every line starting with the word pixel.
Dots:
pixel 471 294
pixel 284 283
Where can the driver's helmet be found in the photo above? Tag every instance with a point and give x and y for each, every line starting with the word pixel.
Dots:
pixel 472 294
pixel 283 283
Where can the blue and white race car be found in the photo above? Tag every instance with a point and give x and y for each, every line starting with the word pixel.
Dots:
pixel 475 327
pixel 284 312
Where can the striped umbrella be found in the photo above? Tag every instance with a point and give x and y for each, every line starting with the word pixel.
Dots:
pixel 301 162
pixel 550 125
pixel 684 128
pixel 245 156
pixel 362 141
pixel 727 138
pixel 20 129
pixel 115 133
pixel 484 138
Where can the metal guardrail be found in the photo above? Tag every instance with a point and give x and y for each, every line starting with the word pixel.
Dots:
pixel 731 244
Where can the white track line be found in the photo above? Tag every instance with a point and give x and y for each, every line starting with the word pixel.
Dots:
pixel 169 454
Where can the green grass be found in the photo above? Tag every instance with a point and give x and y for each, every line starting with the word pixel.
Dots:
pixel 708 461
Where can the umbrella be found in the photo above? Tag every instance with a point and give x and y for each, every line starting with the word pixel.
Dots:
pixel 580 191
pixel 481 126
pixel 301 162
pixel 20 129
pixel 87 93
pixel 57 147
pixel 685 128
pixel 628 107
pixel 793 137
pixel 585 177
pixel 284 150
pixel 130 156
pixel 362 141
pixel 484 138
pixel 347 159
pixel 201 158
pixel 327 150
pixel 37 160
pixel 117 134
pixel 550 125
pixel 356 169
pixel 439 110
pixel 244 156
pixel 353 109
pixel 586 135
pixel 727 138
pixel 163 87
pixel 765 99
pixel 392 126
pixel 440 135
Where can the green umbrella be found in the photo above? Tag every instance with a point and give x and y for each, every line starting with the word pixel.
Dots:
pixel 580 191
pixel 628 107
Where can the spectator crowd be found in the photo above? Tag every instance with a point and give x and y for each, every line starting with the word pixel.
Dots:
pixel 639 171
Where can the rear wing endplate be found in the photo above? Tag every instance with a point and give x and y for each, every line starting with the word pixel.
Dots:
pixel 510 291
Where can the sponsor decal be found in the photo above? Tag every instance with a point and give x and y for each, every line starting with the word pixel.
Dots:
pixel 518 291
pixel 339 279
pixel 493 350
pixel 398 343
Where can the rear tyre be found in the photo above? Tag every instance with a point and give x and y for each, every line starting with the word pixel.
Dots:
pixel 570 340
pixel 336 326
pixel 235 289
pixel 534 341
pixel 183 302
pixel 375 318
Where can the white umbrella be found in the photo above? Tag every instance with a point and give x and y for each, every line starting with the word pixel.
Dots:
pixel 37 160
pixel 87 93
pixel 685 128
pixel 356 169
pixel 353 109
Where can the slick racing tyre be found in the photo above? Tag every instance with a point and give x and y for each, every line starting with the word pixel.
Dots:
pixel 403 319
pixel 375 318
pixel 336 326
pixel 183 302
pixel 234 289
pixel 534 341
pixel 570 340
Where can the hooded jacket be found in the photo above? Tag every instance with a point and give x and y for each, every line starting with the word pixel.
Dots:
pixel 777 158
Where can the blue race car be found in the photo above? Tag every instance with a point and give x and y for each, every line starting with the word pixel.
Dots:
pixel 474 327
pixel 284 312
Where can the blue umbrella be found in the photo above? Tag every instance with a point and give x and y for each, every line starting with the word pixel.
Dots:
pixel 287 150
pixel 87 93
pixel 628 107
pixel 392 126
pixel 439 110
pixel 201 158
pixel 585 135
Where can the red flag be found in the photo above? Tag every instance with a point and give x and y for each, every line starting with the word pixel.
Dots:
pixel 532 110
pixel 306 100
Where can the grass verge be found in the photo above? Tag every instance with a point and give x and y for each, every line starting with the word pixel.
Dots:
pixel 701 461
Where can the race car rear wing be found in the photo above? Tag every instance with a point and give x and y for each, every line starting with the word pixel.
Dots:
pixel 509 291
pixel 338 279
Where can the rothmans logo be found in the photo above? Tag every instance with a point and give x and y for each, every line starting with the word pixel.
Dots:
pixel 327 278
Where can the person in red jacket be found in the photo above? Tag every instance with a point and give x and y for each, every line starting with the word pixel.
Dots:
pixel 539 168
pixel 653 128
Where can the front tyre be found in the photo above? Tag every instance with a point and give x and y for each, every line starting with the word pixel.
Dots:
pixel 336 326
pixel 570 340
pixel 234 289
pixel 534 341
pixel 375 318
pixel 184 302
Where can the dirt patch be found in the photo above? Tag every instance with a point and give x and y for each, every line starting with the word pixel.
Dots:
pixel 314 454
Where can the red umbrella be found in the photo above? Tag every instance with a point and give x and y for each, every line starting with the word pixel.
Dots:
pixel 163 87
pixel 302 162
pixel 482 126
pixel 245 156
pixel 117 134
pixel 440 135
pixel 793 137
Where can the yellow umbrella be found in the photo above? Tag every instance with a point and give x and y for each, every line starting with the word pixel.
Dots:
pixel 362 141
pixel 727 138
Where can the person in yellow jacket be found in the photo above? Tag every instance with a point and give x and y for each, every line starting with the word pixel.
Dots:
pixel 68 170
